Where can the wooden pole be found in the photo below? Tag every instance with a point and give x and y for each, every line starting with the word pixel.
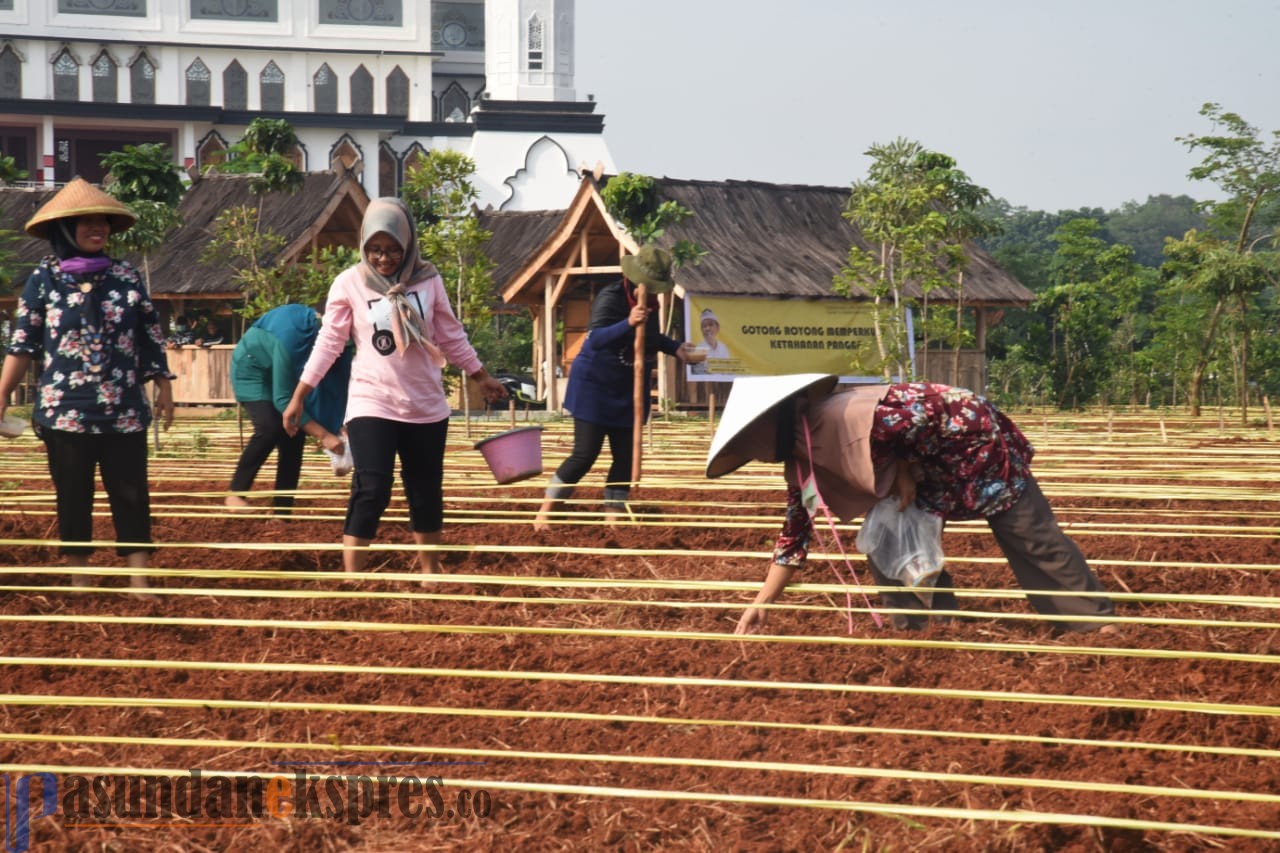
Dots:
pixel 511 407
pixel 1266 407
pixel 638 401
pixel 711 414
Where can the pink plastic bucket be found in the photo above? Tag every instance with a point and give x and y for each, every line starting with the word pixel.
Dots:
pixel 513 455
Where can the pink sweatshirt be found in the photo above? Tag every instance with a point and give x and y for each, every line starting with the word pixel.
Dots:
pixel 384 384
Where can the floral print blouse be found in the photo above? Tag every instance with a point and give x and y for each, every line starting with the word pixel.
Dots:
pixel 975 461
pixel 100 339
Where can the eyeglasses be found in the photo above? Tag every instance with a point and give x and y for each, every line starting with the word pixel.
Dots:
pixel 389 254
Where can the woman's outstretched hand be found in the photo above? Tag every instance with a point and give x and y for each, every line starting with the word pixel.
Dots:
pixel 751 621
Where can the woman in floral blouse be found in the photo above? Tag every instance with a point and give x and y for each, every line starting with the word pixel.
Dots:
pixel 90 321
pixel 952 453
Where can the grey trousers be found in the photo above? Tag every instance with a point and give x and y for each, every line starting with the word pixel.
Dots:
pixel 1042 558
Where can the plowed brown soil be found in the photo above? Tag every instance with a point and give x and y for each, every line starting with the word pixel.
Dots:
pixel 602 715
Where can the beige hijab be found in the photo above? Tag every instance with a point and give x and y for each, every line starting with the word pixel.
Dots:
pixel 840 439
pixel 390 216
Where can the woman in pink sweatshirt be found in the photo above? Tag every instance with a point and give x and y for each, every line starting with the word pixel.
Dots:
pixel 394 306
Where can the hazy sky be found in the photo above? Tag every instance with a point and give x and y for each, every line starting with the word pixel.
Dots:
pixel 1049 105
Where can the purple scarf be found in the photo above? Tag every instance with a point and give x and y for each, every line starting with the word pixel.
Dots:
pixel 81 265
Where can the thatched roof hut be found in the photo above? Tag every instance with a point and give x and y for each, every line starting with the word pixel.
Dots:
pixel 325 212
pixel 789 240
pixel 765 241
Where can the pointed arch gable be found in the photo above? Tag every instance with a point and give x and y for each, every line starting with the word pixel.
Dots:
pixel 347 154
pixel 543 159
pixel 210 150
pixel 586 241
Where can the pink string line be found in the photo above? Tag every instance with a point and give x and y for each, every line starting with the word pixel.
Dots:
pixel 835 535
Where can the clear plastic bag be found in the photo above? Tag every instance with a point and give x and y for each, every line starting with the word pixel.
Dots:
pixel 342 463
pixel 906 545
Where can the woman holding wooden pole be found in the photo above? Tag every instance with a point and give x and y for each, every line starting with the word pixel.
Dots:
pixel 608 391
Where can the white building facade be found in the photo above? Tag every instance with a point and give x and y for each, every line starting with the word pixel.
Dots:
pixel 368 85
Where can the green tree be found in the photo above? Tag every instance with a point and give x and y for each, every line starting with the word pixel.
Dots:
pixel 899 210
pixel 1230 263
pixel 266 151
pixel 240 244
pixel 961 202
pixel 145 178
pixel 145 171
pixel 440 191
pixel 1146 226
pixel 633 201
pixel 9 174
pixel 9 171
pixel 1094 293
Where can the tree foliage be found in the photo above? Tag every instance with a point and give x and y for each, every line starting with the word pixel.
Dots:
pixel 266 152
pixel 239 244
pixel 633 201
pixel 917 211
pixel 145 178
pixel 1226 264
pixel 9 174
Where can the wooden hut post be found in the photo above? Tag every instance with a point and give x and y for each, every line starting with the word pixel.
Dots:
pixel 549 344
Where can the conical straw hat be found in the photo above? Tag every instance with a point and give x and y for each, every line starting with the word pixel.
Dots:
pixel 749 401
pixel 80 198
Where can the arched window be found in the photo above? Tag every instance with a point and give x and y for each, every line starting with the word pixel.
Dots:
pixel 66 76
pixel 235 87
pixel 388 170
pixel 397 93
pixel 142 80
pixel 535 43
pixel 414 155
pixel 325 84
pixel 211 150
pixel 198 84
pixel 271 87
pixel 105 81
pixel 361 91
pixel 346 156
pixel 10 73
pixel 454 104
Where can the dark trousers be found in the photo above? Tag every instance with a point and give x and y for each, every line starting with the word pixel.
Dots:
pixel 588 440
pixel 1041 556
pixel 122 458
pixel 375 443
pixel 268 435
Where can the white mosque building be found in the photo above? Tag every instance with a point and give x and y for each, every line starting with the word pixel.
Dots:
pixel 367 84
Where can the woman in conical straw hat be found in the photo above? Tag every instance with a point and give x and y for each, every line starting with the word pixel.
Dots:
pixel 947 450
pixel 394 306
pixel 90 321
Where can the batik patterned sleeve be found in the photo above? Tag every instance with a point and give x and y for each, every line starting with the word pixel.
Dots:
pixel 28 328
pixel 792 547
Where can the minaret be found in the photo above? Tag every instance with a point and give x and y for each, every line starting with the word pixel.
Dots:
pixel 529 50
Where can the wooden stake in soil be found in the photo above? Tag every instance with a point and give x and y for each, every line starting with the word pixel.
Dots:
pixel 711 414
pixel 1266 407
pixel 1164 436
pixel 511 407
pixel 637 400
